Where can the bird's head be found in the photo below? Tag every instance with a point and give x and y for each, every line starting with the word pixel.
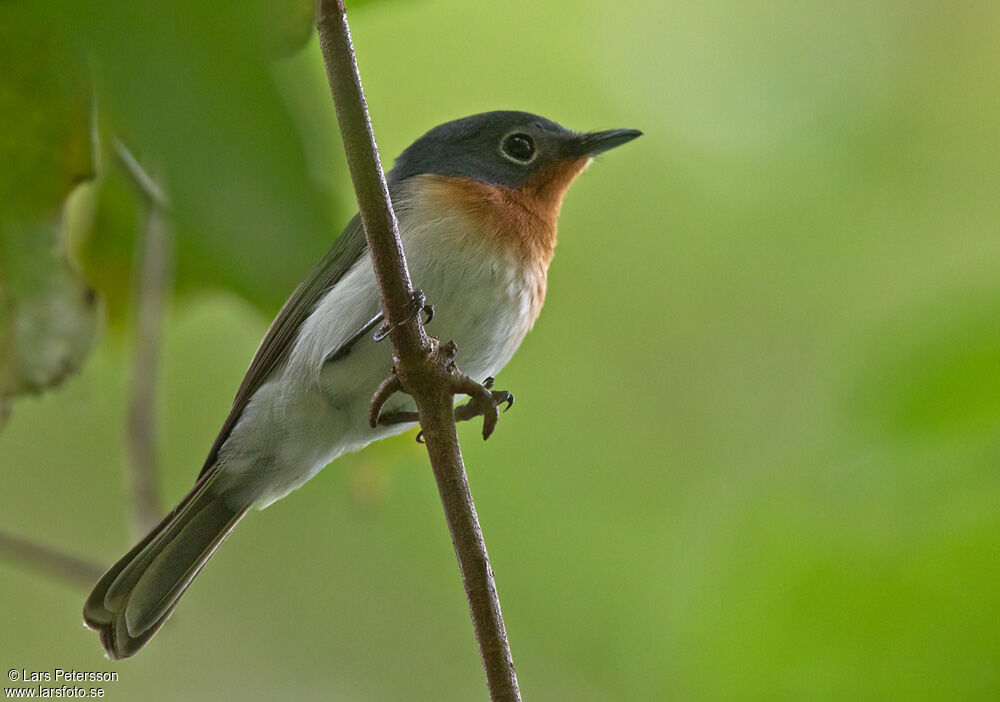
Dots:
pixel 504 148
pixel 509 170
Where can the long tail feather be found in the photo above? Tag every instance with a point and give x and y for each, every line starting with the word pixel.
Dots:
pixel 133 599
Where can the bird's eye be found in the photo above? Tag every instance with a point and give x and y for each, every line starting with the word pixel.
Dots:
pixel 518 147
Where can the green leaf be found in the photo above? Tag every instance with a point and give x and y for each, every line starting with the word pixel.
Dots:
pixel 286 25
pixel 188 86
pixel 47 312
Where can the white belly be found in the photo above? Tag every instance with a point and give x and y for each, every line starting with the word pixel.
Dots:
pixel 310 411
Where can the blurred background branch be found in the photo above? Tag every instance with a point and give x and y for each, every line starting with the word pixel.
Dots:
pixel 51 562
pixel 151 285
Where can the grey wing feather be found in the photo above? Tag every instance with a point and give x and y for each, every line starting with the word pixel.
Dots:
pixel 349 247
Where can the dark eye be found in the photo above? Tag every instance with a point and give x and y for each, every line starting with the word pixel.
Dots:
pixel 518 147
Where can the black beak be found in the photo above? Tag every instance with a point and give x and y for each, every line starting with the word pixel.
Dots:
pixel 593 143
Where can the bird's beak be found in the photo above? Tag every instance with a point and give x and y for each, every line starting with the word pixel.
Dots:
pixel 593 143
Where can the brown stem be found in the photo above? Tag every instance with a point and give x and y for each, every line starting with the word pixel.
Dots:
pixel 424 368
pixel 152 279
pixel 60 565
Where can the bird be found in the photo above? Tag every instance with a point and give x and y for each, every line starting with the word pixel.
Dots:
pixel 477 201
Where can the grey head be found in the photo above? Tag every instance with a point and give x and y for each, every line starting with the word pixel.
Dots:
pixel 500 148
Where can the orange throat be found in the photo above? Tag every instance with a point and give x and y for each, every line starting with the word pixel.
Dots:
pixel 519 221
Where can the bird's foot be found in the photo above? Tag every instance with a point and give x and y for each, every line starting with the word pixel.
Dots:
pixel 483 402
pixel 479 406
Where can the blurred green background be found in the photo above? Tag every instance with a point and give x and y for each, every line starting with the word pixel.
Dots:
pixel 756 446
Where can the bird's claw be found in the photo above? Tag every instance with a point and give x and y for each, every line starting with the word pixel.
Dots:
pixel 499 396
pixel 389 387
pixel 504 396
pixel 483 402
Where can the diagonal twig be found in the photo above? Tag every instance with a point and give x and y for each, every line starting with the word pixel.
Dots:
pixel 423 368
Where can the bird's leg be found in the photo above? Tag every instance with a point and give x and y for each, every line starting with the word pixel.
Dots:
pixel 345 348
pixel 418 304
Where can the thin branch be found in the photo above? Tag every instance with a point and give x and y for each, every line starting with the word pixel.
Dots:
pixel 151 282
pixel 58 564
pixel 381 228
pixel 425 369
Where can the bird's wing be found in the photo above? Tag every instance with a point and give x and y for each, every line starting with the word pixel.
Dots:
pixel 348 248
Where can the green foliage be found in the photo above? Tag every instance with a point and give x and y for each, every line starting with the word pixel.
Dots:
pixel 226 150
pixel 187 87
pixel 47 312
pixel 958 363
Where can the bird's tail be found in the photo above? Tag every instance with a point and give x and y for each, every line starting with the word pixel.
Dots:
pixel 133 599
